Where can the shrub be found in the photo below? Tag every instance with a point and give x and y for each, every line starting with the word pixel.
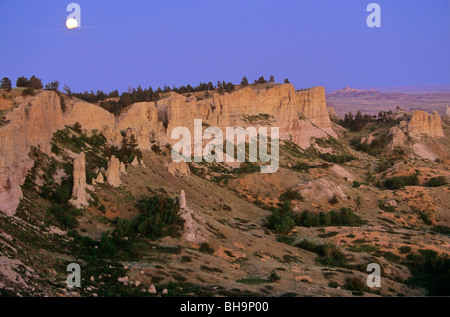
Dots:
pixel 357 285
pixel 400 181
pixel 204 247
pixel 430 270
pixel 65 215
pixel 286 239
pixel 437 181
pixel 356 184
pixel 274 277
pixel 158 217
pixel 329 254
pixel 290 195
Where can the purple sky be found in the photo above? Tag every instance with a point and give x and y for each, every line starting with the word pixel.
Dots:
pixel 179 42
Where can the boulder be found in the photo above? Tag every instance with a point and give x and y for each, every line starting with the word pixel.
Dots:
pixel 135 161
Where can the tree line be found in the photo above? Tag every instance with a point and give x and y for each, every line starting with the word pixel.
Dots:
pixel 114 101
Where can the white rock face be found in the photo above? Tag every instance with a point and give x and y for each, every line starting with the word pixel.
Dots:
pixel 79 195
pixel 113 172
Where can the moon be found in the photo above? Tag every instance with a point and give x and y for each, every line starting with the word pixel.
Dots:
pixel 71 23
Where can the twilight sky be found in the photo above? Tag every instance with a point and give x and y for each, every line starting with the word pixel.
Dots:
pixel 179 42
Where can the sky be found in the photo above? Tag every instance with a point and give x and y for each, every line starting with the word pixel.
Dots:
pixel 123 44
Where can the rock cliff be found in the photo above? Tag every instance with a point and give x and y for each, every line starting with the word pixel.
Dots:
pixel 424 123
pixel 300 115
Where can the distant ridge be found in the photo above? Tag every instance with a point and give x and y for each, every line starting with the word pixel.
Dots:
pixel 351 92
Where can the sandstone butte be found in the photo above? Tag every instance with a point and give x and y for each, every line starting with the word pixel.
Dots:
pixel 424 123
pixel 300 115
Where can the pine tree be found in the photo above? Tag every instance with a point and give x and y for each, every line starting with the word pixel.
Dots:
pixel 67 90
pixel 35 82
pixel 244 81
pixel 22 82
pixel 271 79
pixel 6 84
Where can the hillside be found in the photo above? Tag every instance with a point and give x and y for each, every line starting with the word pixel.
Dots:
pixel 79 185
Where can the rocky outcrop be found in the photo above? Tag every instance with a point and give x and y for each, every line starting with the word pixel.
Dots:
pixel 181 168
pixel 192 233
pixel 113 172
pixel 398 138
pixel 424 123
pixel 100 179
pixel 79 195
pixel 135 161
pixel 300 115
pixel 321 190
pixel 122 168
pixel 447 115
pixel 369 139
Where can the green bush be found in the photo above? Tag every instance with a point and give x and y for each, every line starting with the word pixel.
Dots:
pixel 328 254
pixel 400 181
pixel 274 277
pixel 158 217
pixel 290 195
pixel 430 270
pixel 356 184
pixel 437 181
pixel 345 217
pixel 65 215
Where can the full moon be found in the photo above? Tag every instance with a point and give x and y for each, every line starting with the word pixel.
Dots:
pixel 71 23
